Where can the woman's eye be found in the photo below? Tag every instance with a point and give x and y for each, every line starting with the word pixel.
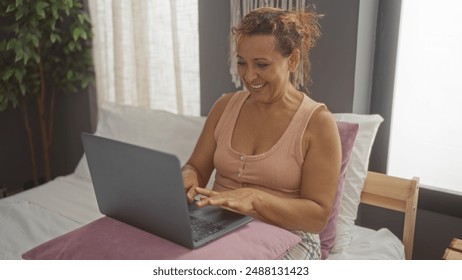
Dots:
pixel 262 65
pixel 240 63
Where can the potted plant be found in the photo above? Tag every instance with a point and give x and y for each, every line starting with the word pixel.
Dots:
pixel 44 51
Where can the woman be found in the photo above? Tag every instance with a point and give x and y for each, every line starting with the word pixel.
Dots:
pixel 276 152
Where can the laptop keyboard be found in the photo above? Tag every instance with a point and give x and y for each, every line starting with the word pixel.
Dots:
pixel 202 228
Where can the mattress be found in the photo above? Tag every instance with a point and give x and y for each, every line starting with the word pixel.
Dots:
pixel 66 203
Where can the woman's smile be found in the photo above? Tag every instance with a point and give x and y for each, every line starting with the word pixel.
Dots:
pixel 257 86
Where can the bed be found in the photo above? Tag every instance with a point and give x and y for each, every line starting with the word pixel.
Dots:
pixel 67 204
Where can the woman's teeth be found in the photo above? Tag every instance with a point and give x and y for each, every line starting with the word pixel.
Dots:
pixel 257 86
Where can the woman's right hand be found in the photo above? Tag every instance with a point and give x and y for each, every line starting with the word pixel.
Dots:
pixel 190 183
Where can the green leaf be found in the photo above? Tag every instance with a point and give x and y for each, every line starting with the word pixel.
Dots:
pixel 54 11
pixel 55 37
pixel 18 46
pixel 67 8
pixel 10 8
pixel 78 4
pixel 35 40
pixel 53 24
pixel 81 18
pixel 71 46
pixel 11 44
pixel 18 74
pixel 22 89
pixel 19 3
pixel 19 13
pixel 78 46
pixel 75 34
pixel 8 73
pixel 34 22
pixel 3 103
pixel 26 57
pixel 70 74
pixel 19 55
pixel 40 8
pixel 79 32
pixel 41 5
pixel 86 82
pixel 35 57
pixel 68 3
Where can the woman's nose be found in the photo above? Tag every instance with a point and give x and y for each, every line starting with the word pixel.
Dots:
pixel 250 75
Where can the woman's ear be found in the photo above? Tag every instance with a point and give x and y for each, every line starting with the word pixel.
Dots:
pixel 294 60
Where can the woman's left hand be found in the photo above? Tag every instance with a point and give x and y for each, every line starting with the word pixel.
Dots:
pixel 239 200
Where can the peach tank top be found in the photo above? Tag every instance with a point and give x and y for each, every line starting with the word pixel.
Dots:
pixel 278 170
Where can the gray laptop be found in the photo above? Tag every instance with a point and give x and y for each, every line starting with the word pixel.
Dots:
pixel 144 188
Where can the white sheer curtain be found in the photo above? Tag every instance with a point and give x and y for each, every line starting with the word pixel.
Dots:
pixel 146 53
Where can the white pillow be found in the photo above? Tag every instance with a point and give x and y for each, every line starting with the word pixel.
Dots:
pixel 355 175
pixel 155 129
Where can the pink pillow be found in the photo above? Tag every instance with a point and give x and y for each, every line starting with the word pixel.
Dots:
pixel 348 132
pixel 109 239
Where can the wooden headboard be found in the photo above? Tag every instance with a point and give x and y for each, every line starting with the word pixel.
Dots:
pixel 396 194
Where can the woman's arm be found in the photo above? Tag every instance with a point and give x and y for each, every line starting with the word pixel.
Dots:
pixel 319 181
pixel 197 170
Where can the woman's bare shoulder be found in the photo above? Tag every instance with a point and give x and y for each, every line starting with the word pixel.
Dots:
pixel 322 128
pixel 322 117
pixel 219 107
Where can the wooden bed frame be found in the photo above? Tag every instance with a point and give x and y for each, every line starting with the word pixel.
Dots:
pixel 396 194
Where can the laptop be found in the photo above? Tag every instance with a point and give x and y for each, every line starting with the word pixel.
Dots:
pixel 144 188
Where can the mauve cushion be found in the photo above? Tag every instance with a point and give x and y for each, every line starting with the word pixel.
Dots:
pixel 109 239
pixel 348 132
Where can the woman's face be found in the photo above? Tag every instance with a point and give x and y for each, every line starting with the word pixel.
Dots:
pixel 263 70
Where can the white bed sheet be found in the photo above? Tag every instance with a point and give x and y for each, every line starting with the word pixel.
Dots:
pixel 66 203
pixel 368 244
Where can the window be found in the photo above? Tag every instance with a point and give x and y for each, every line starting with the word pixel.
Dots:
pixel 426 125
pixel 146 53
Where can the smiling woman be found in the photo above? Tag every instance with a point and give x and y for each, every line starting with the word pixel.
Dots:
pixel 276 152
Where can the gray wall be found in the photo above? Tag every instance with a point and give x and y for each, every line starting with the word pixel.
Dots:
pixel 214 18
pixel 365 52
pixel 333 58
pixel 383 77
